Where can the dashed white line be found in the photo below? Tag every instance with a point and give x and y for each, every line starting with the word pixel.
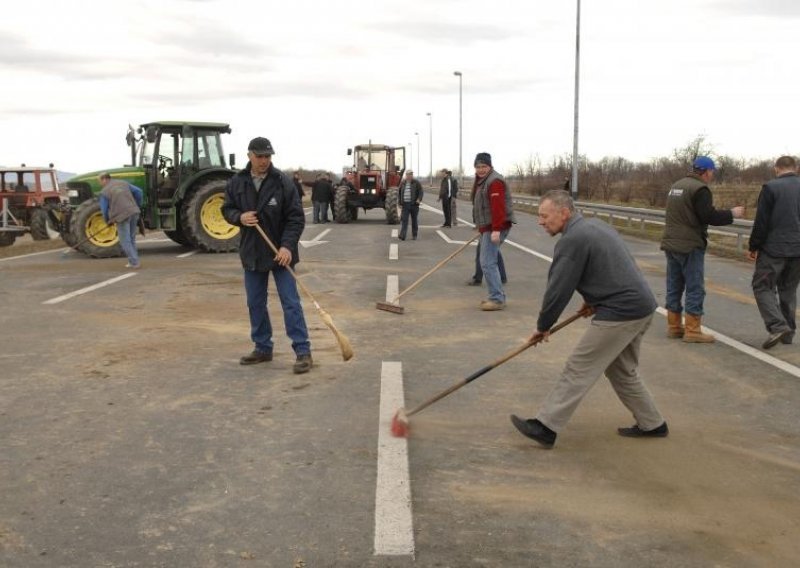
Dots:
pixel 186 254
pixel 395 232
pixel 394 252
pixel 394 531
pixel 97 286
pixel 392 287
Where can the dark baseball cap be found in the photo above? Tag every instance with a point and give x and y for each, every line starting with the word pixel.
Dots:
pixel 260 147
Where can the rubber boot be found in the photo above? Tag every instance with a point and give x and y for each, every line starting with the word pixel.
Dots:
pixel 674 325
pixel 692 334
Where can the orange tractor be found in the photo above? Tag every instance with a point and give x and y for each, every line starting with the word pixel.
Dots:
pixel 372 183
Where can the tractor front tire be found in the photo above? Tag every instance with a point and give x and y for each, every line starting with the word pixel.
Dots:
pixel 7 238
pixel 202 221
pixel 91 234
pixel 41 226
pixel 391 203
pixel 340 204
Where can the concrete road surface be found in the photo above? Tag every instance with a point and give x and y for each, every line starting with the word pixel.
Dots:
pixel 130 436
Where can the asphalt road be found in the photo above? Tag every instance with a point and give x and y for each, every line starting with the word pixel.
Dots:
pixel 130 435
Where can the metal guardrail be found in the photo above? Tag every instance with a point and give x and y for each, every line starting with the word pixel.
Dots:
pixel 740 229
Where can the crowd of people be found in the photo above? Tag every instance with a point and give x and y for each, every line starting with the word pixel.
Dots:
pixel 589 258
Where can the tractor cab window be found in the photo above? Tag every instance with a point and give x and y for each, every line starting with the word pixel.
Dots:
pixel 209 151
pixel 148 151
pixel 187 153
pixel 375 161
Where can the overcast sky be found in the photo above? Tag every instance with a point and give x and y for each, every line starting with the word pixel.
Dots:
pixel 317 77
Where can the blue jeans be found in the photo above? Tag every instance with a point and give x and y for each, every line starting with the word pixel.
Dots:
pixel 409 210
pixel 255 285
pixel 126 230
pixel 478 276
pixel 685 273
pixel 491 272
pixel 320 211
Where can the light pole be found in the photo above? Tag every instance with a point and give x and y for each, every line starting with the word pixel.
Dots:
pixel 418 153
pixel 574 185
pixel 410 156
pixel 460 163
pixel 430 144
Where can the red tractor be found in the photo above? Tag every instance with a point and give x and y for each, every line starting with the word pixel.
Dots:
pixel 30 202
pixel 372 183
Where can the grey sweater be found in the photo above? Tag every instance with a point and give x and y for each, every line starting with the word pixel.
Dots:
pixel 591 257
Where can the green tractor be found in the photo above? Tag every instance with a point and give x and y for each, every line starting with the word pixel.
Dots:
pixel 181 169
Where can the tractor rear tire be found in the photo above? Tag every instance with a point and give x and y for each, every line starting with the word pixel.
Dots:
pixel 202 221
pixel 178 235
pixel 91 234
pixel 391 203
pixel 7 238
pixel 340 205
pixel 41 227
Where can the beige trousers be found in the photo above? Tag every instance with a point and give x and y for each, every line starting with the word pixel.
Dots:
pixel 610 347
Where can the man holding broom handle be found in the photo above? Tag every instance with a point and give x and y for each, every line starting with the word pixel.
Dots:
pixel 262 195
pixel 590 257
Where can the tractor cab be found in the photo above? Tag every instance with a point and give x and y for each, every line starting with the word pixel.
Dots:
pixel 372 183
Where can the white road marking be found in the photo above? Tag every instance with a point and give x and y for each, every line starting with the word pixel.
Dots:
pixel 394 531
pixel 33 254
pixel 316 240
pixel 395 232
pixel 190 253
pixel 91 288
pixel 452 242
pixel 394 252
pixel 392 287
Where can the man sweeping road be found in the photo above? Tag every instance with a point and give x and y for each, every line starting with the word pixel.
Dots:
pixel 591 258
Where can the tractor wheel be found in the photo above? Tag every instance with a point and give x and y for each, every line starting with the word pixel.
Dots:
pixel 7 238
pixel 202 221
pixel 353 213
pixel 91 234
pixel 340 204
pixel 178 235
pixel 392 212
pixel 42 227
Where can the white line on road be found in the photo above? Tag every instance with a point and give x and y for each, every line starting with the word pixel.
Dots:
pixel 392 287
pixel 62 251
pixel 452 242
pixel 190 253
pixel 394 531
pixel 394 233
pixel 394 252
pixel 89 288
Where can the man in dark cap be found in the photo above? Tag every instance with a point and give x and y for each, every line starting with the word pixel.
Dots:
pixel 690 210
pixel 493 215
pixel 263 195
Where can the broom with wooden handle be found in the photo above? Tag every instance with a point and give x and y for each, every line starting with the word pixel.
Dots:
pixel 344 343
pixel 393 307
pixel 400 423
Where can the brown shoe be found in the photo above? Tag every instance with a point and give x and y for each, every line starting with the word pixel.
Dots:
pixel 693 332
pixel 303 364
pixel 674 325
pixel 492 306
pixel 256 357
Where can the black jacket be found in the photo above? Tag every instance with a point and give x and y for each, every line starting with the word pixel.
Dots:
pixel 280 214
pixel 416 191
pixel 776 229
pixel 453 188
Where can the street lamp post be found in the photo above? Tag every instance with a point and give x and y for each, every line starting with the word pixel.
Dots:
pixel 410 156
pixel 430 144
pixel 574 185
pixel 418 153
pixel 460 162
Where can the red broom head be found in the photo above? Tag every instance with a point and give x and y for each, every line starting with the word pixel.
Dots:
pixel 400 424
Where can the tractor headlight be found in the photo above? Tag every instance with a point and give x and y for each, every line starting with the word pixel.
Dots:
pixel 72 193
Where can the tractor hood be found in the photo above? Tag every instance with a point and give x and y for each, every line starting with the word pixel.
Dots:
pixel 84 186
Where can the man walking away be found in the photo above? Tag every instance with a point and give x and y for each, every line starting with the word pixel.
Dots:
pixel 690 210
pixel 590 257
pixel 775 247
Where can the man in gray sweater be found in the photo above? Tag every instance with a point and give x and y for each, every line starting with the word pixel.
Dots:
pixel 591 258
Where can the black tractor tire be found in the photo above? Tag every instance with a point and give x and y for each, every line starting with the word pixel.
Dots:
pixel 91 234
pixel 353 213
pixel 42 228
pixel 7 238
pixel 177 235
pixel 202 221
pixel 343 212
pixel 391 204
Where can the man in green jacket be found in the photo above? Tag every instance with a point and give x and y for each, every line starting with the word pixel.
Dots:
pixel 690 210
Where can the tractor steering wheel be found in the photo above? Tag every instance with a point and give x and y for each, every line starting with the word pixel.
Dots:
pixel 164 162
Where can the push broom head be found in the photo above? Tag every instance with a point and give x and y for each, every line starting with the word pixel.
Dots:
pixel 400 424
pixel 387 307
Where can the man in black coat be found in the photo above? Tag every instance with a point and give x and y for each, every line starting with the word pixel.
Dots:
pixel 410 197
pixel 775 246
pixel 448 192
pixel 263 195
